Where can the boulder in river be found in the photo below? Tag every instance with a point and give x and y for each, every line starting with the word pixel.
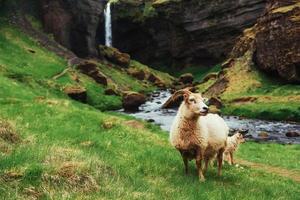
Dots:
pixel 293 134
pixel 263 135
pixel 132 100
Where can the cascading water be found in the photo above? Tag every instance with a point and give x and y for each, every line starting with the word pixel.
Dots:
pixel 108 31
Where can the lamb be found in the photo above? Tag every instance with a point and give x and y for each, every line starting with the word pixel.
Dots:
pixel 233 143
pixel 197 134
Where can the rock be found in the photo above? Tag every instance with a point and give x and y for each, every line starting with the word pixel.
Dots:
pixel 155 94
pixel 293 134
pixel 132 100
pixel 140 74
pixel 150 120
pixel 181 33
pixel 153 79
pixel 216 102
pixel 277 40
pixel 74 24
pixel 263 135
pixel 114 55
pixel 187 78
pixel 91 69
pixel 213 109
pixel 77 93
pixel 110 91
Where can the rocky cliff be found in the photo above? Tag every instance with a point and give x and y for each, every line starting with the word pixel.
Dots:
pixel 277 40
pixel 182 32
pixel 271 45
pixel 74 23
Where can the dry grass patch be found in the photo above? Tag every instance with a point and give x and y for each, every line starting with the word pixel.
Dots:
pixel 286 9
pixel 8 132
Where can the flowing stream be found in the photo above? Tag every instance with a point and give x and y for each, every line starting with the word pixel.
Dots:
pixel 108 30
pixel 151 111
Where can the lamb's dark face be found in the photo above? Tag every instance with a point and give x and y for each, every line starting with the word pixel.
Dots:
pixel 196 103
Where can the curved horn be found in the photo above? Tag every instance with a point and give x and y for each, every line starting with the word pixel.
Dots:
pixel 180 92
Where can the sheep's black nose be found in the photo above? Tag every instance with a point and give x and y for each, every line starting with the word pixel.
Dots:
pixel 205 108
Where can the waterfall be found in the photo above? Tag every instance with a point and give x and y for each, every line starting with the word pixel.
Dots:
pixel 108 31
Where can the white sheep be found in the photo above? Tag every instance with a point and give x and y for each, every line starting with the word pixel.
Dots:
pixel 196 134
pixel 233 143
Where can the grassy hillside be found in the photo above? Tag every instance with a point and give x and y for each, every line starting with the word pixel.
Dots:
pixel 52 147
pixel 251 93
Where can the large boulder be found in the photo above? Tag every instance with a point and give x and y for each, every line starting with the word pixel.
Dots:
pixel 132 100
pixel 278 40
pixel 293 134
pixel 114 55
pixel 77 93
pixel 187 78
pixel 90 68
pixel 138 74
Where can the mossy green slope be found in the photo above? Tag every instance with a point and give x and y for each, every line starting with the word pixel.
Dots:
pixel 270 98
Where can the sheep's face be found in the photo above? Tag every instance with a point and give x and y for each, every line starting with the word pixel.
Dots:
pixel 196 103
pixel 240 138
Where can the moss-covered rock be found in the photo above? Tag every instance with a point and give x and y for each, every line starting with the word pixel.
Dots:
pixel 114 55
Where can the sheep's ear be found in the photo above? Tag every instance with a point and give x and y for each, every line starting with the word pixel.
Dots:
pixel 186 96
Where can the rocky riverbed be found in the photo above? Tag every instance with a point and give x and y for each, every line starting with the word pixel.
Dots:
pixel 258 130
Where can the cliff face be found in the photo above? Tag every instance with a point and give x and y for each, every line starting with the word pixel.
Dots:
pixel 74 23
pixel 182 32
pixel 277 40
pixel 271 45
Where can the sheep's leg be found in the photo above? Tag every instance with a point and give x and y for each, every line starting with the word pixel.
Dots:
pixel 185 162
pixel 186 167
pixel 231 158
pixel 220 161
pixel 199 165
pixel 206 165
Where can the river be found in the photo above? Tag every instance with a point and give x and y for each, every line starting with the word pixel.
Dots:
pixel 276 130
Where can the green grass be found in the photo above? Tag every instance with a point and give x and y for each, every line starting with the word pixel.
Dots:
pixel 124 81
pixel 272 111
pixel 285 156
pixel 35 70
pixel 121 162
